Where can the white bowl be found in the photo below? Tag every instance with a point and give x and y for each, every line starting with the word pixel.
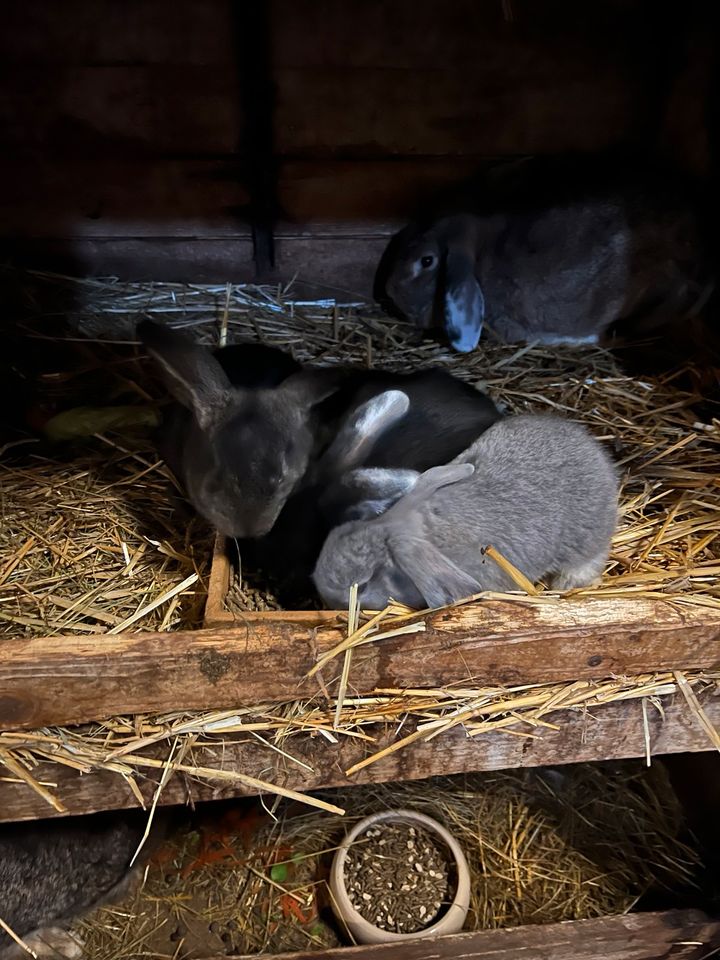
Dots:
pixel 452 919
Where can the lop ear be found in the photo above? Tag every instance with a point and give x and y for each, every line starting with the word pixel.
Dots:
pixel 190 371
pixel 437 578
pixel 362 428
pixel 463 302
pixel 433 479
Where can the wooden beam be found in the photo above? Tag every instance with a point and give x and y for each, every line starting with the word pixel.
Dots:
pixel 682 934
pixel 68 680
pixel 613 731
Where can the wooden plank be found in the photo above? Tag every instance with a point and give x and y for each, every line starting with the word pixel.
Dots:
pixel 131 109
pixel 682 934
pixel 104 32
pixel 190 259
pixel 613 731
pixel 75 679
pixel 369 191
pixel 465 82
pixel 100 196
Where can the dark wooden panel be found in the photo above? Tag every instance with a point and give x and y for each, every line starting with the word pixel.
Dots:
pixel 614 731
pixel 370 191
pixel 116 198
pixel 116 31
pixel 189 259
pixel 683 935
pixel 134 110
pixel 371 78
pixel 75 679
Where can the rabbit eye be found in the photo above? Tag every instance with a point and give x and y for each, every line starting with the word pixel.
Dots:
pixel 427 261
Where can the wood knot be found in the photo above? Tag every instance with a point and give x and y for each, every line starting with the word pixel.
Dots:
pixel 214 665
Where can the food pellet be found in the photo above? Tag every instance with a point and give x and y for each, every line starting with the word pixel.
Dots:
pixel 397 877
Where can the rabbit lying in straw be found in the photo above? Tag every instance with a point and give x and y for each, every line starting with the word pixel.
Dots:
pixel 538 488
pixel 430 420
pixel 568 254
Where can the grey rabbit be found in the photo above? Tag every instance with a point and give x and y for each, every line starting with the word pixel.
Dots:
pixel 551 263
pixel 538 488
pixel 406 424
pixel 238 450
pixel 53 872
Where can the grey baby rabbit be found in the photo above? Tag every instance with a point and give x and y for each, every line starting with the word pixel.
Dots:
pixel 559 263
pixel 538 488
pixel 239 450
pixel 53 872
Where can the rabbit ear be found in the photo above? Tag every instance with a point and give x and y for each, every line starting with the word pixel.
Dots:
pixel 190 371
pixel 366 493
pixel 462 299
pixel 312 386
pixel 428 482
pixel 363 427
pixel 380 483
pixel 436 577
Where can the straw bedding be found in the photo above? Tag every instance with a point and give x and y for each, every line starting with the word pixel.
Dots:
pixel 542 847
pixel 667 544
pixel 124 557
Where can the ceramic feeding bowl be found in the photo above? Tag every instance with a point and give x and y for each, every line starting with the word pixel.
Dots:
pixel 393 875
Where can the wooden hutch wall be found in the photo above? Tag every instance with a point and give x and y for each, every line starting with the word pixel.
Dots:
pixel 144 137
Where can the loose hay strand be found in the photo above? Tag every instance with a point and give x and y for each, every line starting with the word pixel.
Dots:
pixel 18 940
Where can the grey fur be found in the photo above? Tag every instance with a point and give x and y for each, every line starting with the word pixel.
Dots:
pixel 538 488
pixel 53 872
pixel 562 272
pixel 239 452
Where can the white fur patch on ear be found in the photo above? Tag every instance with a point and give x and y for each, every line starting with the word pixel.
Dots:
pixel 463 332
pixel 387 406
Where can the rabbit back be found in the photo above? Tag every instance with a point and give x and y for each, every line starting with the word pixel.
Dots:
pixel 53 872
pixel 560 274
pixel 543 493
pixel 444 416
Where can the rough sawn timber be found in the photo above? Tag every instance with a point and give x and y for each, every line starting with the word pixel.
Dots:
pixel 612 731
pixel 680 934
pixel 70 680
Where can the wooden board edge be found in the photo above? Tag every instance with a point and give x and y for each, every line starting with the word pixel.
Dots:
pixel 686 934
pixel 614 731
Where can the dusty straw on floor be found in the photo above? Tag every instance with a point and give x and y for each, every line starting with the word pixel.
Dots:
pixel 542 846
pixel 98 544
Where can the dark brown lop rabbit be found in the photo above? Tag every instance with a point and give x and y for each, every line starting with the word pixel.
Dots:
pixel 563 252
pixel 53 872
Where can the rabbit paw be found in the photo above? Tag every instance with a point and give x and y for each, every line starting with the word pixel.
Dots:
pixel 582 575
